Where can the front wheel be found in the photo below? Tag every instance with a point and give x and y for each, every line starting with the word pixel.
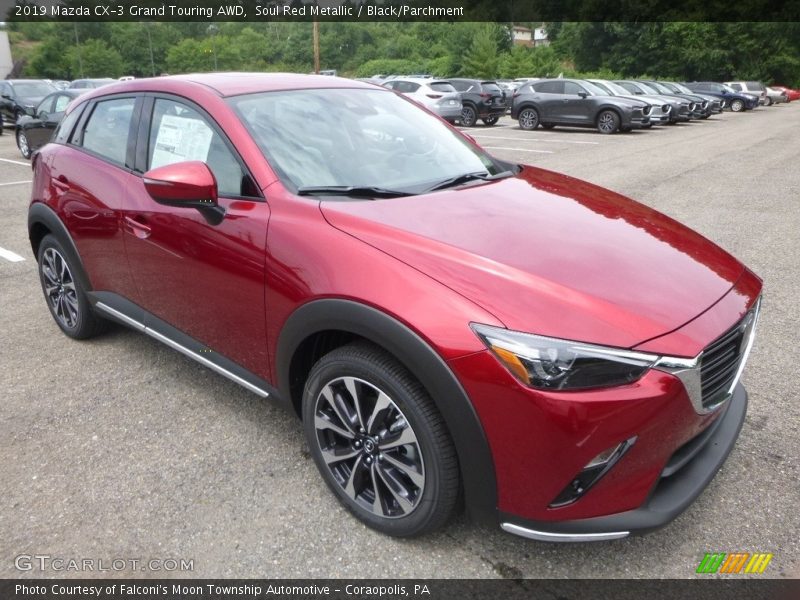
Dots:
pixel 768 101
pixel 489 121
pixel 737 106
pixel 65 296
pixel 22 144
pixel 528 119
pixel 379 441
pixel 468 116
pixel 607 122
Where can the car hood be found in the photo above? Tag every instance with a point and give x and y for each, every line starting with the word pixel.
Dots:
pixel 29 100
pixel 549 254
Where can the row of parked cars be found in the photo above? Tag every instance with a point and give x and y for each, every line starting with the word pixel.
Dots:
pixel 35 106
pixel 609 106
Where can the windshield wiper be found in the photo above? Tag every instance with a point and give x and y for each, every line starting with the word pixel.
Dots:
pixel 350 190
pixel 467 177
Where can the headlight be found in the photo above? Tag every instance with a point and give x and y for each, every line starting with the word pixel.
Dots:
pixel 552 364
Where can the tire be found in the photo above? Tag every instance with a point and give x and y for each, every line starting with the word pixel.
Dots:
pixel 528 119
pixel 468 116
pixel 608 122
pixel 547 126
pixel 768 102
pixel 402 483
pixel 489 121
pixel 64 294
pixel 737 105
pixel 22 144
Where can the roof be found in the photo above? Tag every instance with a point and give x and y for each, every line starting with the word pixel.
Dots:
pixel 233 84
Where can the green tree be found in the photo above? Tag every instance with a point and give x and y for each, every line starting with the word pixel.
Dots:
pixel 94 58
pixel 517 63
pixel 482 59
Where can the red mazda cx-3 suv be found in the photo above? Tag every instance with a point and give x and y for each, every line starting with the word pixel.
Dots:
pixel 443 322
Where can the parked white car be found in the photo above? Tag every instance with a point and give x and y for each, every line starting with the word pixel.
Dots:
pixel 775 96
pixel 437 96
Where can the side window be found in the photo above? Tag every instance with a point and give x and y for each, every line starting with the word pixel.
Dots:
pixel 737 87
pixel 106 131
pixel 390 84
pixel 571 88
pixel 46 105
pixel 179 133
pixel 630 87
pixel 410 87
pixel 62 100
pixel 65 126
pixel 549 87
pixel 460 86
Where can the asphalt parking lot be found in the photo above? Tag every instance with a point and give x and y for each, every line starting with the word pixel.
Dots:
pixel 122 448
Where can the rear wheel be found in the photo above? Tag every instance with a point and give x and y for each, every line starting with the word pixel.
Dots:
pixel 379 442
pixel 22 144
pixel 768 102
pixel 607 122
pixel 468 116
pixel 737 105
pixel 65 296
pixel 528 119
pixel 489 121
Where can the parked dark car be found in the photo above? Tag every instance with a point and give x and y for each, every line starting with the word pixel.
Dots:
pixel 734 100
pixel 576 103
pixel 659 111
pixel 90 84
pixel 451 329
pixel 715 105
pixel 681 107
pixel 18 96
pixel 698 106
pixel 35 129
pixel 483 100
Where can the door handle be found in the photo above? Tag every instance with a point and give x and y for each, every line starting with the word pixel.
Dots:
pixel 137 227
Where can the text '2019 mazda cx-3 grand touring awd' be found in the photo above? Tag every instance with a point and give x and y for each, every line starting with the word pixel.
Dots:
pixel 444 323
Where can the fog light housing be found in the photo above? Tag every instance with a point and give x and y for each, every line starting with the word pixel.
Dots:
pixel 592 473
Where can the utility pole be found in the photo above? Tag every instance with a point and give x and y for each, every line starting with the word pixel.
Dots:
pixel 150 44
pixel 315 36
pixel 213 29
pixel 78 49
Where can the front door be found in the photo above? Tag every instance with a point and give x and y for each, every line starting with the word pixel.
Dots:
pixel 205 279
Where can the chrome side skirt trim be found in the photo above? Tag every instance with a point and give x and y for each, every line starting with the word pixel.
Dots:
pixel 547 536
pixel 180 348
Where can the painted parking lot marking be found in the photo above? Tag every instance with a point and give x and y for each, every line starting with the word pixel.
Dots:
pixel 16 182
pixel 518 149
pixel 10 256
pixel 15 162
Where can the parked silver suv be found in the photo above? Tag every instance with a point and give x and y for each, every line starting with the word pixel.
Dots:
pixel 437 96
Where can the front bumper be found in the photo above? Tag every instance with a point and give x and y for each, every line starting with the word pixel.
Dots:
pixel 689 470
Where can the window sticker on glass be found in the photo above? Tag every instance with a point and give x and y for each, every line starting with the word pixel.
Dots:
pixel 180 139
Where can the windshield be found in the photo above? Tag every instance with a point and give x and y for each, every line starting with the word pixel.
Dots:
pixel 647 88
pixel 593 89
pixel 616 88
pixel 669 86
pixel 33 89
pixel 660 89
pixel 356 138
pixel 728 89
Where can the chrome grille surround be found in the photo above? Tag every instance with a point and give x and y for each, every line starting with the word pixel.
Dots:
pixel 696 378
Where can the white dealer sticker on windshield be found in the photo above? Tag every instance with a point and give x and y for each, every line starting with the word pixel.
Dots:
pixel 180 139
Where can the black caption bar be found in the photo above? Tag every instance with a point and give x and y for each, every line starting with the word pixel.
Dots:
pixel 334 589
pixel 400 10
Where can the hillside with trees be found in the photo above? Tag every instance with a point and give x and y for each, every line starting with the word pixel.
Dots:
pixel 717 51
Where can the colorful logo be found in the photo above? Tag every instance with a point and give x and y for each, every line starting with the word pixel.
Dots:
pixel 735 562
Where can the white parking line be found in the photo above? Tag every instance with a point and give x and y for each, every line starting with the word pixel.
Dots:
pixel 15 162
pixel 10 256
pixel 518 149
pixel 527 139
pixel 16 182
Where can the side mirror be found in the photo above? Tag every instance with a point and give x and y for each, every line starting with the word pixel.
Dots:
pixel 42 113
pixel 6 95
pixel 30 111
pixel 188 184
pixel 583 94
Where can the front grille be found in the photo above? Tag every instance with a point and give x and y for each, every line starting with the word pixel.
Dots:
pixel 720 362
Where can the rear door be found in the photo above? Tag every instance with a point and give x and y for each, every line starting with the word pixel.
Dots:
pixel 206 280
pixel 549 96
pixel 90 175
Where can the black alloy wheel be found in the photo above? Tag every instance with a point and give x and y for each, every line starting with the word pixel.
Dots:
pixel 65 296
pixel 379 442
pixel 468 116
